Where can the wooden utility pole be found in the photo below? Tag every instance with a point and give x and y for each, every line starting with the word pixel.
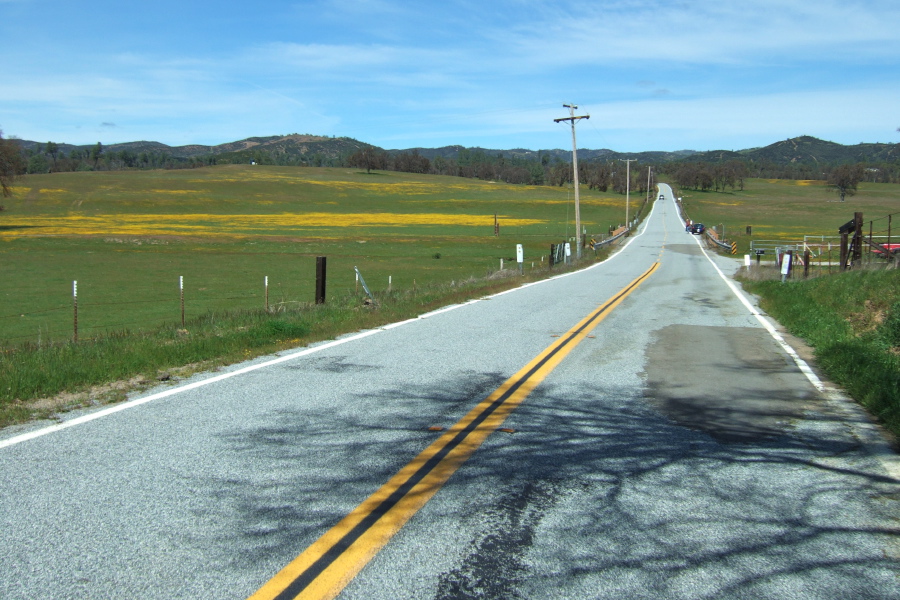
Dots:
pixel 572 118
pixel 627 162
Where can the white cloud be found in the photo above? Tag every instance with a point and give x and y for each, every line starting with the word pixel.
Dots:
pixel 474 72
pixel 829 114
pixel 703 32
pixel 323 58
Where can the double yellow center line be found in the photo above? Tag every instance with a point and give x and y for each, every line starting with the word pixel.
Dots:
pixel 330 563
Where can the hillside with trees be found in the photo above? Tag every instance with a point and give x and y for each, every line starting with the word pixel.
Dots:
pixel 807 157
pixel 804 157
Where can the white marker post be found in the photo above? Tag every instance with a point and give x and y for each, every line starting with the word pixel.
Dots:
pixel 520 258
pixel 181 292
pixel 786 265
pixel 75 308
pixel 267 292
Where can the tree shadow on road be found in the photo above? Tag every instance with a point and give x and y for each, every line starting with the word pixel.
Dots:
pixel 594 495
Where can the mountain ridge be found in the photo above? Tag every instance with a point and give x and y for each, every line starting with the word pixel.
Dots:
pixel 798 150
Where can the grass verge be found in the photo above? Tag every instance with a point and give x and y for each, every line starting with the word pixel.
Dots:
pixel 41 380
pixel 852 320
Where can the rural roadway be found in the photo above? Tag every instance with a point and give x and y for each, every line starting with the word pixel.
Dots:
pixel 633 430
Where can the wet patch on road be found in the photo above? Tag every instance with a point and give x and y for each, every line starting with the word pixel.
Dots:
pixel 687 248
pixel 733 383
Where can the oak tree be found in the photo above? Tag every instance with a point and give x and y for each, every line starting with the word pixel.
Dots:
pixel 843 179
pixel 12 164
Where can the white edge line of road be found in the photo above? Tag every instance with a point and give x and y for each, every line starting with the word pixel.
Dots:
pixel 863 428
pixel 177 390
pixel 801 364
pixel 24 437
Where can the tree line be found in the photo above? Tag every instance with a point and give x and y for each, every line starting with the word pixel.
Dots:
pixel 544 169
pixel 705 176
pixel 49 158
pixel 473 164
pixel 875 171
pixel 843 179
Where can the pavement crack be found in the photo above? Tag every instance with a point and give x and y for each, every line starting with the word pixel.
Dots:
pixel 495 566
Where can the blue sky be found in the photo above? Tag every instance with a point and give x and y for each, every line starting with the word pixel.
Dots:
pixel 685 74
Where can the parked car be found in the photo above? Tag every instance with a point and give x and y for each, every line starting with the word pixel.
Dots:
pixel 698 228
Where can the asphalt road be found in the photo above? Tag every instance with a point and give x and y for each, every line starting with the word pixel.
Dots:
pixel 677 451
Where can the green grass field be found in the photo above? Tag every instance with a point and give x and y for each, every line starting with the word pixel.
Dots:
pixel 787 210
pixel 127 236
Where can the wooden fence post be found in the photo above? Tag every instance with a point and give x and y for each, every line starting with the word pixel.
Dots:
pixel 844 244
pixel 856 246
pixel 320 280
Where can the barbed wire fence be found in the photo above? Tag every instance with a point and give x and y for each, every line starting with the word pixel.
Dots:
pixel 77 312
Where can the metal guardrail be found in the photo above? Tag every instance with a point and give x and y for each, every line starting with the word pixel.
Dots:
pixel 717 241
pixel 610 240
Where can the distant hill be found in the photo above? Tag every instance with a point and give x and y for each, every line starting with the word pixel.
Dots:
pixel 453 152
pixel 292 144
pixel 807 150
pixel 297 148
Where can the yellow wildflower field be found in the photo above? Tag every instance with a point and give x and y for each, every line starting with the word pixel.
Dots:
pixel 408 187
pixel 226 225
pixel 796 182
pixel 126 236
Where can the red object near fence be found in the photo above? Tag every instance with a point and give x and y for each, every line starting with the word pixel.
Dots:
pixel 892 248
